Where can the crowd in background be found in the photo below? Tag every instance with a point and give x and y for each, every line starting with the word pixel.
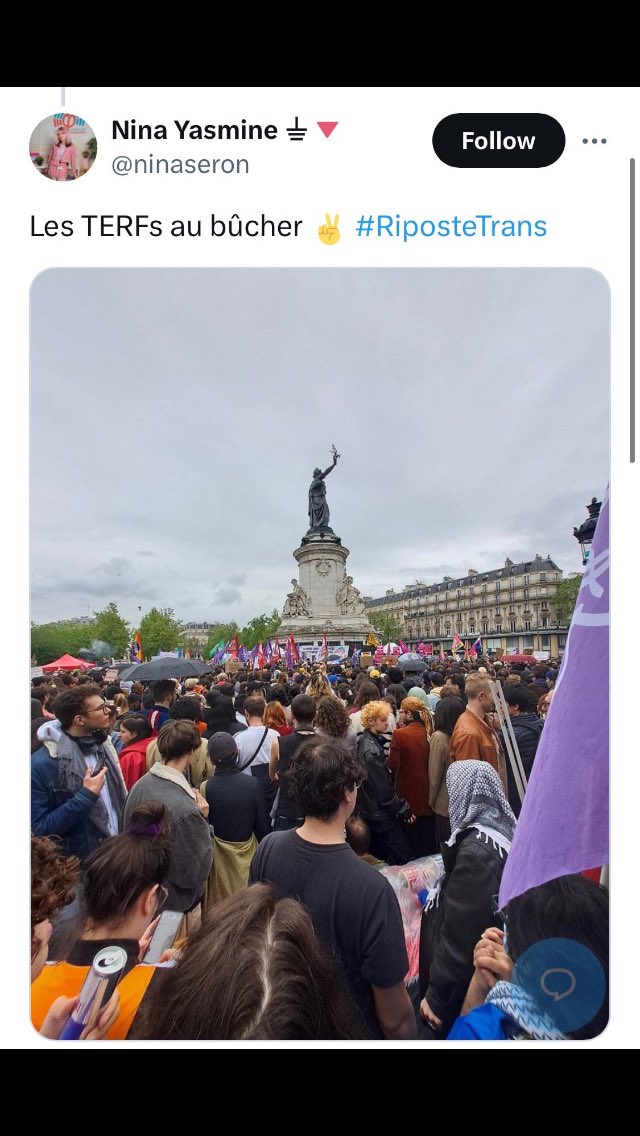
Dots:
pixel 261 806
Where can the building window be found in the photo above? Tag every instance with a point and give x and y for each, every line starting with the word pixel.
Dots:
pixel 485 628
pixel 526 593
pixel 512 624
pixel 545 621
pixel 472 628
pixel 497 585
pixel 499 627
pixel 544 605
pixel 526 581
pixel 543 577
pixel 527 625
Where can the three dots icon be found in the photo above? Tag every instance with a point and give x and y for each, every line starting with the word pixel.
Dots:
pixel 594 141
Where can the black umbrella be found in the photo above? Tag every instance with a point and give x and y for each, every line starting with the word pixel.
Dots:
pixel 165 667
pixel 411 662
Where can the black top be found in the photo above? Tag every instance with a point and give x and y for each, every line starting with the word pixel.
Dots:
pixel 353 907
pixel 236 805
pixel 450 930
pixel 287 747
pixel 527 729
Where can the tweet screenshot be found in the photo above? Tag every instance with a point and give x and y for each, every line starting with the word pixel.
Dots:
pixel 319 417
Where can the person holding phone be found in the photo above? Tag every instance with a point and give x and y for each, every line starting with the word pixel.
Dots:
pixel 77 788
pixel 123 892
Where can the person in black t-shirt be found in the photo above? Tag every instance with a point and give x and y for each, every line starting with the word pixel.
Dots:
pixel 354 909
pixel 303 709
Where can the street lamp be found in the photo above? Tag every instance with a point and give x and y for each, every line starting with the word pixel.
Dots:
pixel 584 534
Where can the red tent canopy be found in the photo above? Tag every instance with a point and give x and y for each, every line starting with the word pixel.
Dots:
pixel 67 663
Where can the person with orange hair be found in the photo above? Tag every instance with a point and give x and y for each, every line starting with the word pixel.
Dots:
pixel 378 802
pixel 409 762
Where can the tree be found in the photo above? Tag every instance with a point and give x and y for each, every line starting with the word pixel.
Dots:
pixel 112 629
pixel 389 628
pixel 219 631
pixel 51 640
pixel 565 598
pixel 260 628
pixel 160 631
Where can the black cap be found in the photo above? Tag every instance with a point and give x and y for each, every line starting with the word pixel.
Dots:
pixel 222 748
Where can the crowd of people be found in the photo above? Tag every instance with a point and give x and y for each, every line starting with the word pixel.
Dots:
pixel 260 807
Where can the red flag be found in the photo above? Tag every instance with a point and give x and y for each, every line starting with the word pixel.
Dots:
pixel 232 647
pixel 260 658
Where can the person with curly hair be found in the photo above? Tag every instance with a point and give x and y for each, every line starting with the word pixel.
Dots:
pixel 332 722
pixel 54 878
pixel 354 911
pixel 384 811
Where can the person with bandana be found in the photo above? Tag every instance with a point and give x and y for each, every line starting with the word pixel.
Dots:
pixel 460 908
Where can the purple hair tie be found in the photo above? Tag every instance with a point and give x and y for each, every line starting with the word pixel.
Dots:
pixel 148 830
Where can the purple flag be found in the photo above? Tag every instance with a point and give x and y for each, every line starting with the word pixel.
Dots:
pixel 243 654
pixel 564 823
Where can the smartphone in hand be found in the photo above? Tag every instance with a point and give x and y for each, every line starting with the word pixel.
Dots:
pixel 164 935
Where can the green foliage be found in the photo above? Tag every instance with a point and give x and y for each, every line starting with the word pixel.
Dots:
pixel 111 628
pixel 160 631
pixel 565 598
pixel 91 150
pixel 219 631
pixel 260 628
pixel 51 640
pixel 388 627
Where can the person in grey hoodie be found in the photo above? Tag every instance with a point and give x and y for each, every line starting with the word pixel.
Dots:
pixel 191 834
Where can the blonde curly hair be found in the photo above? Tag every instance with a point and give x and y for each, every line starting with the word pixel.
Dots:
pixel 373 710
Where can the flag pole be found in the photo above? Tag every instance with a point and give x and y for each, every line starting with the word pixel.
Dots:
pixel 511 744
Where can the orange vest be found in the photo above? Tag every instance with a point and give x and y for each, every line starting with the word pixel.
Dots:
pixel 61 978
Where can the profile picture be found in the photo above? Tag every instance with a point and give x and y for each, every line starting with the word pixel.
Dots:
pixel 63 147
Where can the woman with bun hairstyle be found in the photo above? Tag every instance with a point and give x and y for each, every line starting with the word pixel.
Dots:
pixel 122 892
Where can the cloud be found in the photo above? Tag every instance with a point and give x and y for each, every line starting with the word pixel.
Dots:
pixel 226 596
pixel 459 400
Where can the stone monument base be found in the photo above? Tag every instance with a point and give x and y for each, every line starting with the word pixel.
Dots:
pixel 321 561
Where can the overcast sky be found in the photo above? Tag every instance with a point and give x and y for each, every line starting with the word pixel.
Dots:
pixel 184 411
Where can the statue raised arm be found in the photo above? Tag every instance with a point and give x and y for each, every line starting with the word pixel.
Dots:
pixel 318 508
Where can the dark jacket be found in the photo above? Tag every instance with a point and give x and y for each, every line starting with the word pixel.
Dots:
pixel 59 812
pixel 450 930
pixel 236 805
pixel 377 800
pixel 527 729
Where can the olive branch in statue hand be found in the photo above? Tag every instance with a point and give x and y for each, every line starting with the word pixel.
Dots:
pixel 335 454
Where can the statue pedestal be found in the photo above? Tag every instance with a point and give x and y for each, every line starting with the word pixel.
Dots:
pixel 322 562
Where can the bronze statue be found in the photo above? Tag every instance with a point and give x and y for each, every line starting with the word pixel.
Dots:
pixel 318 508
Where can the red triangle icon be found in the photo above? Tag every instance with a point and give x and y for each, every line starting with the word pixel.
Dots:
pixel 327 128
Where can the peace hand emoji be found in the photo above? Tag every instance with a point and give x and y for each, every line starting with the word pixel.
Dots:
pixel 330 234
